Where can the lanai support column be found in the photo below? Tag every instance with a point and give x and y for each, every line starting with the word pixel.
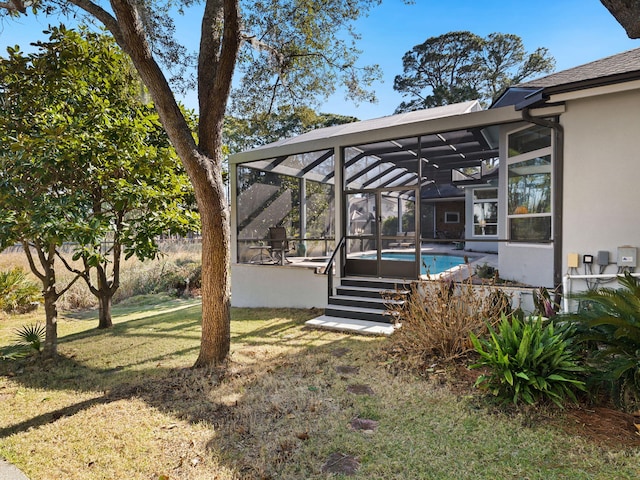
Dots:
pixel 233 197
pixel 417 221
pixel 303 214
pixel 340 219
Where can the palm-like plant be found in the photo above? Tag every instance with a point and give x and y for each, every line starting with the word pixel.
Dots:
pixel 610 322
pixel 31 336
pixel 29 340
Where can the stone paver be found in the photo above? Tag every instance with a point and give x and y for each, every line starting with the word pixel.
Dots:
pixel 10 472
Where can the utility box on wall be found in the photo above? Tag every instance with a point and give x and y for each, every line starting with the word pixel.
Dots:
pixel 627 256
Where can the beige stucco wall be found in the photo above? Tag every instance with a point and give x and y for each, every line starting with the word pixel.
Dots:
pixel 601 188
pixel 276 286
pixel 601 176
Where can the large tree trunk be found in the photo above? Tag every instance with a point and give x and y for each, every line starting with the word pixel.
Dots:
pixel 46 256
pixel 220 42
pixel 627 13
pixel 104 292
pixel 216 291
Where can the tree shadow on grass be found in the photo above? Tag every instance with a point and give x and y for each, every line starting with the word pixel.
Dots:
pixel 195 396
pixel 139 316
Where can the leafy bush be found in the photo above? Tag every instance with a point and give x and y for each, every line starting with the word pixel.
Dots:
pixel 439 316
pixel 17 293
pixel 609 321
pixel 529 361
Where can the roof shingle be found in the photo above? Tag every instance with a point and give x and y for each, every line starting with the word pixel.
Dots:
pixel 621 63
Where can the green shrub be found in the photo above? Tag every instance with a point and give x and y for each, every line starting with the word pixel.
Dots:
pixel 529 361
pixel 609 324
pixel 17 293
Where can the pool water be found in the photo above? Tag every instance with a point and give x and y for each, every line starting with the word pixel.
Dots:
pixel 432 263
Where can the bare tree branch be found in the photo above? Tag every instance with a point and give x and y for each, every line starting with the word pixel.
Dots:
pixel 14 6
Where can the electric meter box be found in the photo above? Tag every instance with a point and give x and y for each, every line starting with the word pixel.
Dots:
pixel 627 256
pixel 602 257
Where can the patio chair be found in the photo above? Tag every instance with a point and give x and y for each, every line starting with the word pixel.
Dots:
pixel 279 244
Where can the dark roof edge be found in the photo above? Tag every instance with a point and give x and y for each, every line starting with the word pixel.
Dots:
pixel 539 96
pixel 592 83
pixel 536 97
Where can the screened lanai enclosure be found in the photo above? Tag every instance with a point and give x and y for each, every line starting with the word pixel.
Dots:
pixel 374 199
pixel 520 184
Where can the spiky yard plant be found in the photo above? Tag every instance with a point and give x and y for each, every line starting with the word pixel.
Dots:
pixel 29 340
pixel 529 361
pixel 31 336
pixel 609 321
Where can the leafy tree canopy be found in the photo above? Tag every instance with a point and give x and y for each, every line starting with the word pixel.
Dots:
pixel 460 66
pixel 260 129
pixel 84 160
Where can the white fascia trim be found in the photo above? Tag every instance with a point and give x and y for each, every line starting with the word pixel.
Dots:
pixel 593 92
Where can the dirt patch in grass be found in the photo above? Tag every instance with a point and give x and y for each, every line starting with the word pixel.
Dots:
pixel 360 389
pixel 364 425
pixel 347 370
pixel 342 464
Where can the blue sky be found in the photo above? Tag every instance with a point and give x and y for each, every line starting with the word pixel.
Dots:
pixel 574 31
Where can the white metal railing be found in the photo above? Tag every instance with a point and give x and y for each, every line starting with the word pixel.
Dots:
pixel 566 284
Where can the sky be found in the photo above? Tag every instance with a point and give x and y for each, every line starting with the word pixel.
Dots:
pixel 574 31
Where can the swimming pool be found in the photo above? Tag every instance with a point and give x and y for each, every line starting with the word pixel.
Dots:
pixel 432 263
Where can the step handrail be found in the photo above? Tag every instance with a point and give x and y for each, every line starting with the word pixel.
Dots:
pixel 328 271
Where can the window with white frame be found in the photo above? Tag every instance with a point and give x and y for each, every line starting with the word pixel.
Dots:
pixel 529 191
pixel 485 212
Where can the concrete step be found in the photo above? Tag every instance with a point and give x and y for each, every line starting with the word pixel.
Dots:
pixel 350 325
pixel 379 283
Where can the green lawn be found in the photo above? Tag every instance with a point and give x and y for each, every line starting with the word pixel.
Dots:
pixel 123 404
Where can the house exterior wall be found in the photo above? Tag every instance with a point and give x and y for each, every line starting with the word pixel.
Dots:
pixel 531 264
pixel 601 185
pixel 599 190
pixel 274 286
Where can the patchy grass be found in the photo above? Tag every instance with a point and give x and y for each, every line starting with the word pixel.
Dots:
pixel 123 403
